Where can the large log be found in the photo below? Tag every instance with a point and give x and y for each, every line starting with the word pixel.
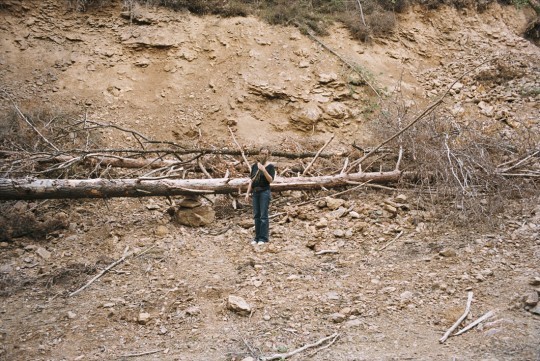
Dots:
pixel 12 189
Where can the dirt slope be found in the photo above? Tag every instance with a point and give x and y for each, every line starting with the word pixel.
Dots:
pixel 177 77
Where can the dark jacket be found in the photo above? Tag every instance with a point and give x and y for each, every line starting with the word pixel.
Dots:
pixel 259 181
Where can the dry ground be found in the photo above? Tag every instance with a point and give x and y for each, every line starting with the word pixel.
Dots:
pixel 184 79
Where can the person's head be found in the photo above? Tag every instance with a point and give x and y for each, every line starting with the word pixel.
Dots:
pixel 263 155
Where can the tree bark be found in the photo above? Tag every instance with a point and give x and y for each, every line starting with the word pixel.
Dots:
pixel 12 189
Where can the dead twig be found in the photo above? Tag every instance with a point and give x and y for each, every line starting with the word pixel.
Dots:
pixel 460 320
pixel 241 150
pixel 472 324
pixel 115 263
pixel 143 353
pixel 392 241
pixel 29 123
pixel 281 356
pixel 317 155
pixel 203 169
pixel 326 251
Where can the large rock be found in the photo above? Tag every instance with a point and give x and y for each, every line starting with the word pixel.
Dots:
pixel 337 110
pixel 334 203
pixel 195 217
pixel 239 305
pixel 307 117
pixel 266 90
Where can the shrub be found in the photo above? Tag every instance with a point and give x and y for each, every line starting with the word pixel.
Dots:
pixel 355 26
pixel 382 23
pixel 83 5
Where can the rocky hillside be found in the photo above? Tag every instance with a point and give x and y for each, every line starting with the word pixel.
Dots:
pixel 183 73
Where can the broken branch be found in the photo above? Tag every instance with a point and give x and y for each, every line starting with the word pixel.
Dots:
pixel 472 324
pixel 241 150
pixel 281 356
pixel 102 272
pixel 317 155
pixel 460 320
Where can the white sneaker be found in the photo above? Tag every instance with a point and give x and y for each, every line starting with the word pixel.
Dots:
pixel 260 242
pixel 253 243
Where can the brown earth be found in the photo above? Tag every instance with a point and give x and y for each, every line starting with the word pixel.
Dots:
pixel 177 77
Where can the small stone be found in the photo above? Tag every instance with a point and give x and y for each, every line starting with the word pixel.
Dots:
pixel 531 298
pixel 332 296
pixel 6 268
pixel 249 358
pixel 152 206
pixel 401 198
pixel 389 208
pixel 536 309
pixel 266 317
pixel 323 222
pixel 406 296
pixel 4 244
pixel 163 330
pixel 354 214
pixel 535 281
pixel 108 305
pixel 162 231
pixel 71 315
pixel 193 311
pixel 239 305
pixel 448 252
pixel 43 253
pixel 345 311
pixel 246 223
pixel 334 203
pixel 143 318
pixel 354 323
pixel 339 233
pixel 327 78
pixel 337 317
pixel 303 64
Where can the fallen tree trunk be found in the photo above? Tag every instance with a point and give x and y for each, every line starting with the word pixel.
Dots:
pixel 12 189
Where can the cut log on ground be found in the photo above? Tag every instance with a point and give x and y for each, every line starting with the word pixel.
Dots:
pixel 12 189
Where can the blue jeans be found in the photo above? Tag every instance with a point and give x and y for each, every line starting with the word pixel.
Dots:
pixel 261 202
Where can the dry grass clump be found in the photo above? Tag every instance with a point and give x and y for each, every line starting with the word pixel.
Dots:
pixel 84 5
pixel 204 7
pixel 58 127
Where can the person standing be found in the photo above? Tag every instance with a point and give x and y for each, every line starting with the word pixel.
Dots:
pixel 262 174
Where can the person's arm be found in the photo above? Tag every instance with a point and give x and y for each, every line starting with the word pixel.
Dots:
pixel 267 175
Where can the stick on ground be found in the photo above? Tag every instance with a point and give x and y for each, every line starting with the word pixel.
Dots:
pixel 143 353
pixel 102 272
pixel 472 324
pixel 282 356
pixel 392 241
pixel 460 320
